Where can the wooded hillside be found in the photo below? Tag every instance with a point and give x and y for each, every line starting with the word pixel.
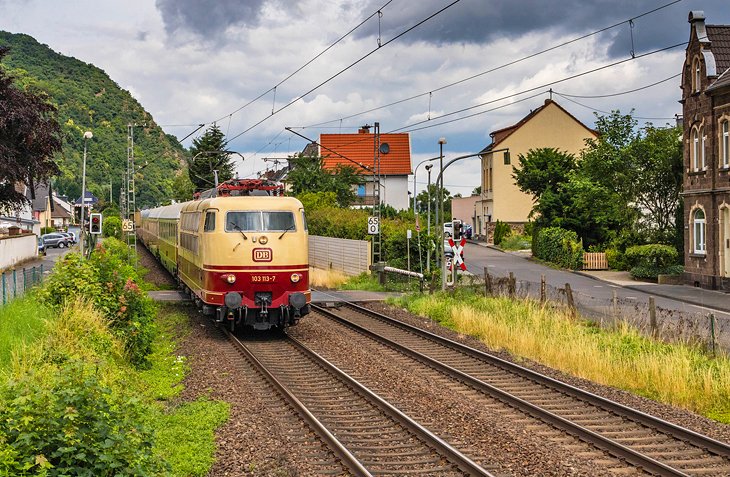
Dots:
pixel 88 100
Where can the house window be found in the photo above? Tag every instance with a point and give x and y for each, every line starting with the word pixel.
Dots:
pixel 361 190
pixel 695 151
pixel 703 137
pixel 725 144
pixel 698 231
pixel 697 76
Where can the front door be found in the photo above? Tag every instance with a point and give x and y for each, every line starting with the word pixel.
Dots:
pixel 725 242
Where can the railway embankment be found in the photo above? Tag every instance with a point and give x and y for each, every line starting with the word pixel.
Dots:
pixel 92 380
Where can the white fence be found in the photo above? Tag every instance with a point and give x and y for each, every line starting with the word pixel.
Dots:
pixel 17 248
pixel 351 257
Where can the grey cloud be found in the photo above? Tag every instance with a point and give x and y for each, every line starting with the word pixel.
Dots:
pixel 479 21
pixel 208 19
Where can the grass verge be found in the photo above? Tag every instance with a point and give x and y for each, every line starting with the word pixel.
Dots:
pixel 21 323
pixel 319 278
pixel 675 374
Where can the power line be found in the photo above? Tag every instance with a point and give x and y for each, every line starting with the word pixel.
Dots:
pixel 491 70
pixel 346 68
pixel 410 128
pixel 605 112
pixel 273 88
pixel 566 96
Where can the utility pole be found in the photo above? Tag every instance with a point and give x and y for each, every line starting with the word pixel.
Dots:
pixel 131 199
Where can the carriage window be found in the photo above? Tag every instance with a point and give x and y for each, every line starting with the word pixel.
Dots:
pixel 209 222
pixel 304 221
pixel 258 221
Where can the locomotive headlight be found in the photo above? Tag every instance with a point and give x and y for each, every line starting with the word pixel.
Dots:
pixel 230 278
pixel 263 240
pixel 295 277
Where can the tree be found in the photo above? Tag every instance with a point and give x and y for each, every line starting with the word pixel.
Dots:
pixel 477 190
pixel 29 137
pixel 206 158
pixel 431 193
pixel 543 169
pixel 656 181
pixel 182 187
pixel 308 175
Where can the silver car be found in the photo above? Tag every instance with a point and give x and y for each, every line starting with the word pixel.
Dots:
pixel 55 240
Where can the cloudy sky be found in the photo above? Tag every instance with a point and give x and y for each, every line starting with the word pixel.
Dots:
pixel 434 68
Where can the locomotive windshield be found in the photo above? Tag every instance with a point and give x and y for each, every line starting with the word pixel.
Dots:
pixel 260 221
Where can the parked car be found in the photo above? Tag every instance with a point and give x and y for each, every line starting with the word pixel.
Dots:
pixel 41 246
pixel 70 236
pixel 468 231
pixel 55 240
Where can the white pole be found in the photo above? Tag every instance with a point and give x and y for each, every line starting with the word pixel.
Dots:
pixel 82 235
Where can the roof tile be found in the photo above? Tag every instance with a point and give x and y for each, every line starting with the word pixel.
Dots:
pixel 359 149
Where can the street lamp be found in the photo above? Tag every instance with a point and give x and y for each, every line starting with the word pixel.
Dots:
pixel 428 220
pixel 440 193
pixel 415 171
pixel 87 136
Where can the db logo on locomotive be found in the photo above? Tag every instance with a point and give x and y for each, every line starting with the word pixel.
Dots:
pixel 262 254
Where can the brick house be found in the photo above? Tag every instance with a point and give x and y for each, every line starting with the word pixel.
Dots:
pixel 706 193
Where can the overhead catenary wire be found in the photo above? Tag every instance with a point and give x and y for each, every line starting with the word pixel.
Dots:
pixel 289 76
pixel 362 58
pixel 496 68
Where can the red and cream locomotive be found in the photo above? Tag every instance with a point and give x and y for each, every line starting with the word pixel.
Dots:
pixel 243 258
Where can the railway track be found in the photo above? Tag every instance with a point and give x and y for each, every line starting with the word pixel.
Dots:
pixel 368 435
pixel 639 441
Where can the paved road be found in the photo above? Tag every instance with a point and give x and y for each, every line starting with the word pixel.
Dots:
pixel 688 299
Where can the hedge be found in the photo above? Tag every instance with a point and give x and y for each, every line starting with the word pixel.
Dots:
pixel 559 246
pixel 650 261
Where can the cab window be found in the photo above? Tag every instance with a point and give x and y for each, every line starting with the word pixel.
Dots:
pixel 209 222
pixel 260 221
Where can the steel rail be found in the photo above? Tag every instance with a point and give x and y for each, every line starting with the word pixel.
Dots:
pixel 348 460
pixel 463 462
pixel 614 448
pixel 697 439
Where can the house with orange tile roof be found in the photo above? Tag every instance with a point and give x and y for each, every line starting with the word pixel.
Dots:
pixel 501 199
pixel 392 160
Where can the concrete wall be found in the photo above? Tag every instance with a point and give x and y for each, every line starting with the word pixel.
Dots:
pixel 463 208
pixel 14 249
pixel 351 257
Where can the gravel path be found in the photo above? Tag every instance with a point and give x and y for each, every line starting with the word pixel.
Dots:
pixel 259 439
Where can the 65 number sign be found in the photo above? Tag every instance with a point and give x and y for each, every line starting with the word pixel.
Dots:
pixel 373 225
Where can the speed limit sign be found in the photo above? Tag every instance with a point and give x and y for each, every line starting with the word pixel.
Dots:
pixel 373 225
pixel 127 225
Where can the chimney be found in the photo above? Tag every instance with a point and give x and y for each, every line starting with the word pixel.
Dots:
pixel 364 129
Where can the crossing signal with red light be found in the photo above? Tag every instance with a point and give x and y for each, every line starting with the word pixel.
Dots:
pixel 95 224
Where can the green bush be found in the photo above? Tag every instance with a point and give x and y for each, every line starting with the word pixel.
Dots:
pixel 616 259
pixel 650 261
pixel 502 230
pixel 47 230
pixel 516 242
pixel 559 246
pixel 112 227
pixel 70 423
pixel 111 283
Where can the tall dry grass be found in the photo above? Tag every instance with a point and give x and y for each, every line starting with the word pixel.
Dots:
pixel 680 375
pixel 319 278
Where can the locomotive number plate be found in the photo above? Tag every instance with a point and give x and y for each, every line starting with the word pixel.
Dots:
pixel 263 278
pixel 262 255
